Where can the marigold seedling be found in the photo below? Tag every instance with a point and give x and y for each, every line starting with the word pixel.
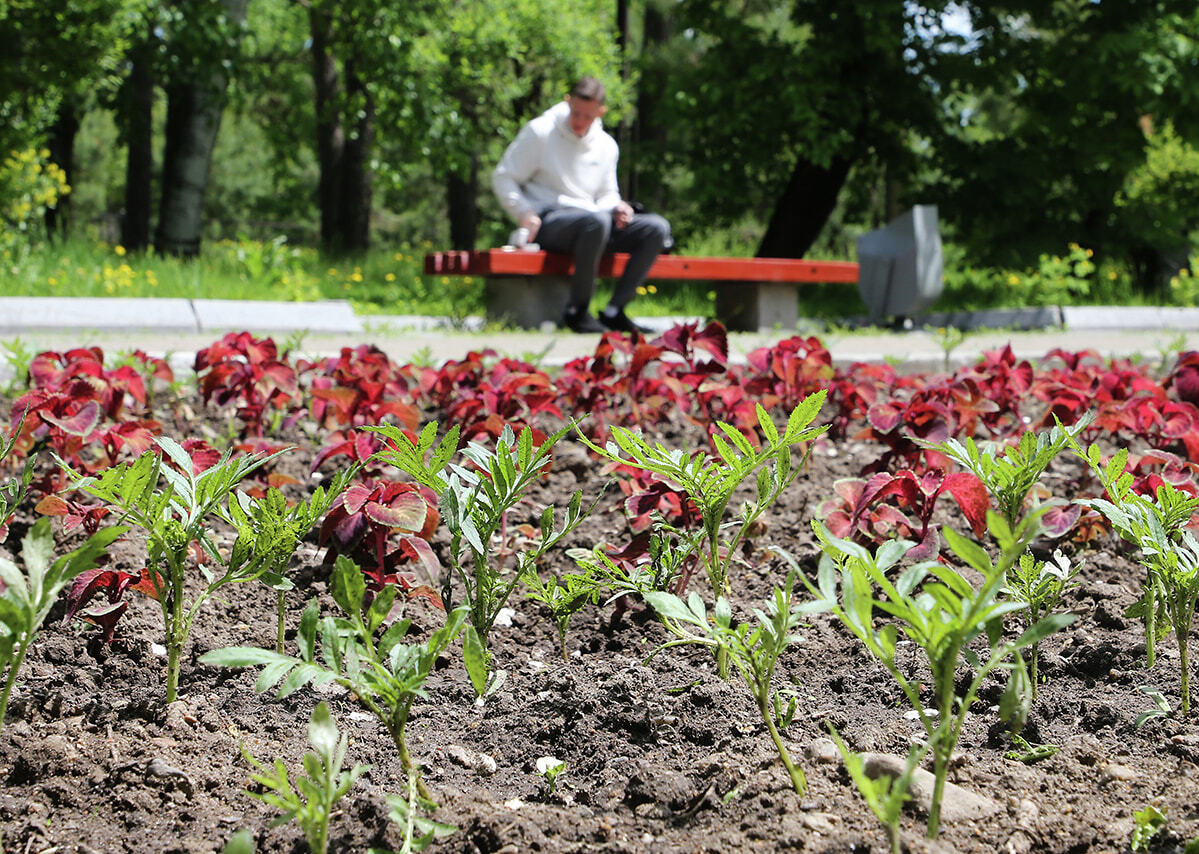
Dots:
pixel 419 830
pixel 1147 823
pixel 710 480
pixel 753 650
pixel 1039 586
pixel 475 499
pixel 309 798
pixel 27 593
pixel 1010 472
pixel 884 795
pixel 941 612
pixel 1028 753
pixel 384 673
pixel 1157 525
pixel 175 516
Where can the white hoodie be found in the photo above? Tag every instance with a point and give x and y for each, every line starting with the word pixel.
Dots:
pixel 548 166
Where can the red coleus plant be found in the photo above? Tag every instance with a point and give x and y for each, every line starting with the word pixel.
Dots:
pixel 79 408
pixel 649 496
pixel 110 585
pixel 898 424
pixel 615 385
pixel 887 505
pixel 788 372
pixel 362 386
pixel 689 376
pixel 74 513
pixel 383 525
pixel 247 372
pixel 484 394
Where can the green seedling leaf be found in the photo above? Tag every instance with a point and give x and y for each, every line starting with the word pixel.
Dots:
pixel 1030 753
pixel 310 799
pixel 241 842
pixel 1148 822
pixel 1161 706
pixel 475 658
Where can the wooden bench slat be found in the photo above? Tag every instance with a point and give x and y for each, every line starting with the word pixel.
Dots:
pixel 500 262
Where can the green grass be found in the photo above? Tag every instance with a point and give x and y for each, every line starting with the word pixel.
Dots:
pixel 391 281
pixel 384 281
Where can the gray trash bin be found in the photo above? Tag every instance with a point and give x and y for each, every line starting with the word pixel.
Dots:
pixel 899 265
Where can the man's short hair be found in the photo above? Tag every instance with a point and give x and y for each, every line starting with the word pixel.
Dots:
pixel 589 89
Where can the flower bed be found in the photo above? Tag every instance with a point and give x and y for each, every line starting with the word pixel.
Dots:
pixel 588 742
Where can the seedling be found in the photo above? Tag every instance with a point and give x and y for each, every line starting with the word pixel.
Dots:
pixel 564 596
pixel 28 593
pixel 269 531
pixel 14 490
pixel 753 650
pixel 1010 474
pixel 1147 823
pixel 420 831
pixel 386 675
pixel 949 338
pixel 550 768
pixel 671 557
pixel 1156 525
pixel 1161 706
pixel 940 611
pixel 174 517
pixel 884 795
pixel 710 481
pixel 475 500
pixel 1030 753
pixel 310 797
pixel 1038 585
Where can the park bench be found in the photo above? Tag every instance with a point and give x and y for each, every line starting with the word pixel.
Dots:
pixel 527 289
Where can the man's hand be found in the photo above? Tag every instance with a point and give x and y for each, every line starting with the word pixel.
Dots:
pixel 622 214
pixel 533 223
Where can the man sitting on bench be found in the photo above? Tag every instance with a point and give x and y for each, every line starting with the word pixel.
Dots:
pixel 558 180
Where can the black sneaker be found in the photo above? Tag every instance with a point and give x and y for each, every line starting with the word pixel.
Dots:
pixel 581 320
pixel 620 322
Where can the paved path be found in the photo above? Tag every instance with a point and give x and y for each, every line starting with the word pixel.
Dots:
pixel 180 327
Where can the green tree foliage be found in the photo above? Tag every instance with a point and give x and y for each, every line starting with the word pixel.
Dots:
pixel 1044 120
pixel 52 48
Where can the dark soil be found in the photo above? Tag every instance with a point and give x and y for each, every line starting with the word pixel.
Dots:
pixel 660 755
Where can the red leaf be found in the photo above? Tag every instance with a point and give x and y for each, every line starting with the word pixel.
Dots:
pixel 81 424
pixel 971 496
pixel 406 510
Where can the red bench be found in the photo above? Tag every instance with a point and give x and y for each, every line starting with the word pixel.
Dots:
pixel 527 289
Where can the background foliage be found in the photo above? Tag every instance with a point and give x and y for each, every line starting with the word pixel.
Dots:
pixel 1041 130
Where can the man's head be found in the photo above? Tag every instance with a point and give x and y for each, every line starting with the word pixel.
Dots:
pixel 586 100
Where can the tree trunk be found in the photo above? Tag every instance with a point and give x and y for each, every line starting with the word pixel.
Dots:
pixel 330 137
pixel 803 208
pixel 355 219
pixel 622 45
pixel 193 118
pixel 137 113
pixel 344 190
pixel 462 195
pixel 648 134
pixel 61 144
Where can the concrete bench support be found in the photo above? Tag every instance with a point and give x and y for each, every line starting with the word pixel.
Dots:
pixel 757 306
pixel 526 302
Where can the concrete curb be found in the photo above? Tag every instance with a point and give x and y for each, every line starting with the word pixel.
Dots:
pixel 20 315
